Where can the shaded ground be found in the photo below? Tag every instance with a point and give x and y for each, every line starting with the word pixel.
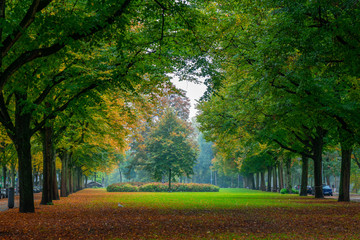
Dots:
pixel 4 202
pixel 91 214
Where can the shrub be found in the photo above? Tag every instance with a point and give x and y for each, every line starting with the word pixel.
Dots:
pixel 122 187
pixel 294 191
pixel 284 191
pixel 161 187
pixel 154 187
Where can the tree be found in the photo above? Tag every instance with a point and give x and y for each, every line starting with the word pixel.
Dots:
pixel 203 164
pixel 42 39
pixel 170 150
pixel 286 59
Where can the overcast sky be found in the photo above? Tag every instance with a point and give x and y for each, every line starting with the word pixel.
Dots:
pixel 193 91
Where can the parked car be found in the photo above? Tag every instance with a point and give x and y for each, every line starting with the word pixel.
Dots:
pixel 327 191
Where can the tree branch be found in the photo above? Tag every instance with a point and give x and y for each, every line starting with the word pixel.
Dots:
pixel 36 6
pixel 161 5
pixel 356 160
pixel 306 143
pixel 291 149
pixel 62 107
pixel 5 117
pixel 2 19
pixel 47 51
pixel 25 58
pixel 60 77
pixel 272 83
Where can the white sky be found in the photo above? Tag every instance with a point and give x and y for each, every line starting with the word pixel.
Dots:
pixel 193 91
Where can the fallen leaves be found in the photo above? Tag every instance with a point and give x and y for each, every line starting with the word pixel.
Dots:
pixel 92 214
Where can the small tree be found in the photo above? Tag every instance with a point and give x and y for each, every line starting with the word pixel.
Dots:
pixel 170 150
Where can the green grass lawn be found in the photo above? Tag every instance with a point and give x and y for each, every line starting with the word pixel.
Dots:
pixel 227 198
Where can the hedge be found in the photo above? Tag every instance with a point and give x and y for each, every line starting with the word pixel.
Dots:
pixel 120 187
pixel 161 187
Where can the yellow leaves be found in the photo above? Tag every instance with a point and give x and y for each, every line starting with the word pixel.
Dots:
pixel 263 146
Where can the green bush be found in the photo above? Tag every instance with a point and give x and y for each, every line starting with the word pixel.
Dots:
pixel 161 187
pixel 122 187
pixel 154 187
pixel 284 191
pixel 294 191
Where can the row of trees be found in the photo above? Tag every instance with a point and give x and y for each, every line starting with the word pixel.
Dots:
pixel 63 63
pixel 288 86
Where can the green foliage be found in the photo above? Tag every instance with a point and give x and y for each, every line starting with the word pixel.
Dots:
pixel 154 187
pixel 161 187
pixel 203 163
pixel 294 191
pixel 122 187
pixel 284 191
pixel 170 150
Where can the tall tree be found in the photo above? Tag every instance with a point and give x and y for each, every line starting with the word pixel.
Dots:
pixel 170 150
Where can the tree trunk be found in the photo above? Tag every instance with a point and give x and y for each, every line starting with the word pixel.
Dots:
pixel 215 178
pixel 318 144
pixel 69 180
pixel 262 181
pixel 169 179
pixel 47 194
pixel 25 176
pixel 257 181
pixel 120 176
pixel 12 174
pixel 79 178
pixel 304 175
pixel 75 187
pixel 346 142
pixel 4 175
pixel 252 179
pixel 55 188
pixel 288 174
pixel 275 189
pixel 281 176
pixel 64 156
pixel 269 179
pixel 23 148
